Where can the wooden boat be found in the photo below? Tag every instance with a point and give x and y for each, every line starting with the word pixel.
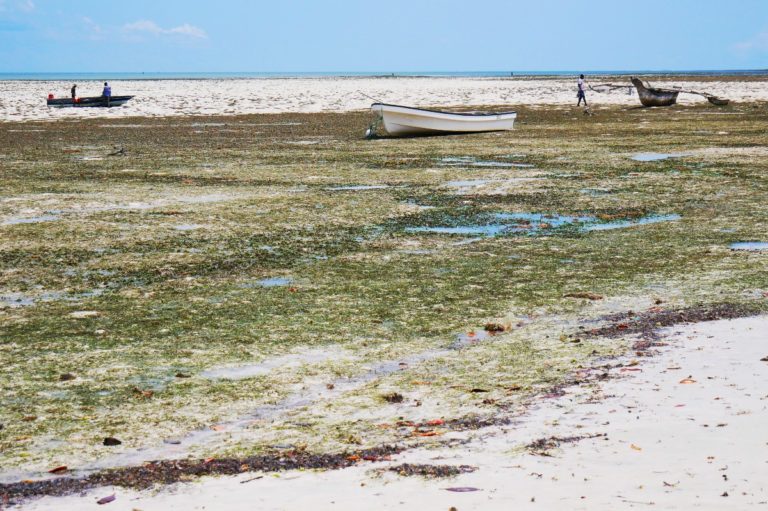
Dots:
pixel 98 101
pixel 650 96
pixel 407 121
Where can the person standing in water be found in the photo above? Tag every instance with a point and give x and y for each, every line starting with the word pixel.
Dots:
pixel 74 91
pixel 582 88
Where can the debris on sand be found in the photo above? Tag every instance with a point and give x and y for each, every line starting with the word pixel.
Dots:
pixel 543 446
pixel 173 471
pixel 393 397
pixel 431 471
pixel 648 323
pixel 586 295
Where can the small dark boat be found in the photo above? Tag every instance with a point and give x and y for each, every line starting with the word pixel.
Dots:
pixel 650 96
pixel 98 101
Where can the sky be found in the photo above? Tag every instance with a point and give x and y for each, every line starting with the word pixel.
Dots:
pixel 79 36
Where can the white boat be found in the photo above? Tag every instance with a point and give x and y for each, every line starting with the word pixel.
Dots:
pixel 404 120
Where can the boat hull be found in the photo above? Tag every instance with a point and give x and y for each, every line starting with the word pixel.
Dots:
pixel 406 121
pixel 93 102
pixel 654 97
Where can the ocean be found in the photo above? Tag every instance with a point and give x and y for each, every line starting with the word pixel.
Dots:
pixel 102 76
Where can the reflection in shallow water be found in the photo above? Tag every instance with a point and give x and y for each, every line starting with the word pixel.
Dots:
pixel 499 224
pixel 623 224
pixel 750 245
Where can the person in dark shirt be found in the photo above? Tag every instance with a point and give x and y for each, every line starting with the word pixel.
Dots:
pixel 74 91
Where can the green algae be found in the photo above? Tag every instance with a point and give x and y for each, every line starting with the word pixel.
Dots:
pixel 178 302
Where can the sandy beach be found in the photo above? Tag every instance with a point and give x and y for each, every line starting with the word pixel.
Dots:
pixel 25 100
pixel 683 429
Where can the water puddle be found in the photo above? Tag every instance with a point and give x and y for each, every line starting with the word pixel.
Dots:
pixel 187 227
pixel 533 221
pixel 469 338
pixel 270 282
pixel 507 223
pixel 471 183
pixel 29 220
pixel 353 188
pixel 284 362
pixel 624 224
pixel 469 161
pixel 753 246
pixel 646 157
pixel 19 300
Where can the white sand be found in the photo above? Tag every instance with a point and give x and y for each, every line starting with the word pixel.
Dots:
pixel 25 100
pixel 671 445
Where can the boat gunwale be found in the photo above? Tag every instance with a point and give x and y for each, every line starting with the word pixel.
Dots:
pixel 443 112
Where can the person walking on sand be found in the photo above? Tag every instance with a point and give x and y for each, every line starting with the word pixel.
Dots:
pixel 74 91
pixel 582 87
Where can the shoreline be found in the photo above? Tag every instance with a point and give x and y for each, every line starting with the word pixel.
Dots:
pixel 556 435
pixel 647 328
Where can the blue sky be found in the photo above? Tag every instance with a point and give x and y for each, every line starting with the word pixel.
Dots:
pixel 391 35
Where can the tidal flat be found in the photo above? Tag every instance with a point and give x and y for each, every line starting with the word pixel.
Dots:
pixel 349 283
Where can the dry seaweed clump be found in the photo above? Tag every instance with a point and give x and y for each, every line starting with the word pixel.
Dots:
pixel 172 471
pixel 431 471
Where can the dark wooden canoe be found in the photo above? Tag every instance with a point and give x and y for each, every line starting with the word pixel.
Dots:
pixel 654 97
pixel 98 101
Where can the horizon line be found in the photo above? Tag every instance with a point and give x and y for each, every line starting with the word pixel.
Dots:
pixel 390 72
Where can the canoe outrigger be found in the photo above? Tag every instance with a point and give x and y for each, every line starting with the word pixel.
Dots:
pixel 657 96
pixel 650 96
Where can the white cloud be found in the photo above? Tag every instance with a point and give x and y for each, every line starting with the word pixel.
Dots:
pixel 757 43
pixel 17 5
pixel 150 27
pixel 189 30
pixel 93 29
